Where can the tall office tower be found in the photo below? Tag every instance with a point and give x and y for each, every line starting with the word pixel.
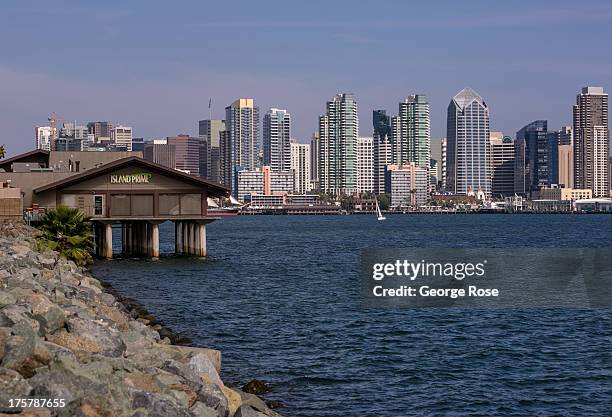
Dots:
pixel 566 165
pixel 100 130
pixel 187 153
pixel 502 150
pixel 160 152
pixel 225 159
pixel 565 136
pixel 444 162
pixel 314 161
pixel 468 149
pixel 592 141
pixel 338 131
pixel 242 123
pixel 408 185
pixel 71 137
pixel 122 136
pixel 138 144
pixel 300 165
pixel 436 155
pixel 210 133
pixel 365 165
pixel 381 124
pixel 411 132
pixel 535 158
pixel 43 138
pixel 277 140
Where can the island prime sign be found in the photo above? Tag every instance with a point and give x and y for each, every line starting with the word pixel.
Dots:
pixel 136 178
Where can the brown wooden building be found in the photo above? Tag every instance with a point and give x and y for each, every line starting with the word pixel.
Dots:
pixel 138 195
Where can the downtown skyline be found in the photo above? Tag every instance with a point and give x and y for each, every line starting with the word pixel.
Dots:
pixel 165 78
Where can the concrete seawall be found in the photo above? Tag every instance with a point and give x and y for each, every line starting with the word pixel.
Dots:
pixel 69 348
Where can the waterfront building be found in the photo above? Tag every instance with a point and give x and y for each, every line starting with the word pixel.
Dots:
pixel 365 165
pixel 536 158
pixel 592 141
pixel 300 166
pixel 407 184
pixel 566 194
pixel 338 132
pixel 263 181
pixel 187 153
pixel 314 161
pixel 502 151
pixel 122 136
pixel 160 152
pixel 277 140
pixel 468 150
pixel 411 131
pixel 209 132
pixel 381 124
pixel 43 137
pixel 242 123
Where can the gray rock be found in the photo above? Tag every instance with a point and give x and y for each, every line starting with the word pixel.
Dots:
pixel 201 364
pixel 212 396
pixel 49 315
pixel 12 385
pixel 157 405
pixel 200 410
pixel 246 411
pixel 6 299
pixel 5 333
pixel 107 337
pixel 23 352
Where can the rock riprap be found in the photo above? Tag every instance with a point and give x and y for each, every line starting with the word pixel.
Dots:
pixel 63 337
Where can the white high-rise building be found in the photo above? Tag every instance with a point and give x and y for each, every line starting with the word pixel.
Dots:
pixel 43 138
pixel 338 132
pixel 300 165
pixel 122 136
pixel 242 147
pixel 277 140
pixel 365 165
pixel 468 165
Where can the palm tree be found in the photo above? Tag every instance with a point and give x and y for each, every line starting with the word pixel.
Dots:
pixel 2 152
pixel 68 231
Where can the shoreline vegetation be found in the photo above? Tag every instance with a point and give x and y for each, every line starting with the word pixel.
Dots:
pixel 64 335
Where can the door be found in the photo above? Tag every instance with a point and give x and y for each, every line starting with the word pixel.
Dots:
pixel 99 206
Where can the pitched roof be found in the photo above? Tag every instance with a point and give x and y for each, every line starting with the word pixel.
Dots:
pixel 214 189
pixel 28 157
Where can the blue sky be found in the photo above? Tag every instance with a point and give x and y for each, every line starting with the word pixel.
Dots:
pixel 154 65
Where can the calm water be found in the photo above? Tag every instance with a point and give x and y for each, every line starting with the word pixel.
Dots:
pixel 280 296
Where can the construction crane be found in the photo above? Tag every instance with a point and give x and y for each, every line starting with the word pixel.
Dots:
pixel 53 120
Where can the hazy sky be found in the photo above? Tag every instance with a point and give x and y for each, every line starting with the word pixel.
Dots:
pixel 154 65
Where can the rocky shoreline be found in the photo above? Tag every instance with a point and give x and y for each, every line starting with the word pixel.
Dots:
pixel 65 337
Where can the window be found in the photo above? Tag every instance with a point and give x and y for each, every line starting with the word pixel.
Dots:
pixel 142 205
pixel 120 205
pixel 169 204
pixel 98 205
pixel 191 204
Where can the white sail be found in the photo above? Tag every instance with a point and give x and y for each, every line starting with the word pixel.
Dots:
pixel 211 202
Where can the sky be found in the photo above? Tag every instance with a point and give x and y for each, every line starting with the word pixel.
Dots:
pixel 155 65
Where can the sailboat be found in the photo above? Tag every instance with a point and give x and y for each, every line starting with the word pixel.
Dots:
pixel 379 217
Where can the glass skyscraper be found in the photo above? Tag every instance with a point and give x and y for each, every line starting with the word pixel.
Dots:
pixel 469 167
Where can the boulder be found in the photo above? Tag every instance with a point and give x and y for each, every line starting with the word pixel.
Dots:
pixel 6 298
pixel 201 364
pixel 24 353
pixel 12 385
pixel 256 387
pixel 246 411
pixel 107 337
pixel 49 315
pixel 157 405
pixel 5 333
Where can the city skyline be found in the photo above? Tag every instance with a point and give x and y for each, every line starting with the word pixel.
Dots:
pixel 165 80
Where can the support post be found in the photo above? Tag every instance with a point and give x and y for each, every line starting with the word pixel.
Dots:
pixel 177 238
pixel 154 240
pixel 202 240
pixel 108 241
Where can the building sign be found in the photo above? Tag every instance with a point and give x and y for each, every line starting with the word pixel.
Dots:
pixel 137 178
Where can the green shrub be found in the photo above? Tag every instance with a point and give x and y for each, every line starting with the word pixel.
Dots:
pixel 68 231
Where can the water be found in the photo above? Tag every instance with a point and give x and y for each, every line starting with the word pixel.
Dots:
pixel 279 295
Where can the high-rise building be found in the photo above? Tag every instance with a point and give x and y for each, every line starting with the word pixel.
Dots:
pixel 408 185
pixel 592 141
pixel 138 144
pixel 411 132
pixel 225 159
pixel 338 132
pixel 277 140
pixel 263 181
pixel 565 136
pixel 122 136
pixel 535 158
pixel 566 165
pixel 100 130
pixel 436 155
pixel 468 150
pixel 365 165
pixel 381 124
pixel 43 137
pixel 300 166
pixel 210 161
pixel 187 153
pixel 502 151
pixel 160 152
pixel 71 137
pixel 314 161
pixel 242 123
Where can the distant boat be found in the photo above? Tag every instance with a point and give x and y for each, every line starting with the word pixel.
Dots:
pixel 379 217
